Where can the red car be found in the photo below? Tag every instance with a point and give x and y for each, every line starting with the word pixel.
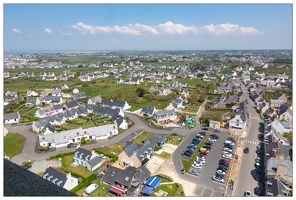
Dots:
pixel 133 123
pixel 222 160
pixel 204 133
pixel 203 153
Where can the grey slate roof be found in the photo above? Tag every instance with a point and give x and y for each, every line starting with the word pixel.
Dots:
pixel 31 100
pixel 55 176
pixel 9 116
pixel 79 95
pixel 148 110
pixel 275 188
pixel 71 104
pixel 129 150
pixel 82 153
pixel 142 174
pixel 117 175
pixel 21 182
pixel 95 161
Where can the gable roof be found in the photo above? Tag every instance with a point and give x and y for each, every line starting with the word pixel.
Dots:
pixel 95 161
pixel 83 154
pixel 142 174
pixel 149 110
pixel 129 150
pixel 9 116
pixel 71 104
pixel 55 176
pixel 113 174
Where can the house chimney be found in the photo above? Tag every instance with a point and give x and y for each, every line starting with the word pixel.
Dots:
pixel 135 152
pixel 68 175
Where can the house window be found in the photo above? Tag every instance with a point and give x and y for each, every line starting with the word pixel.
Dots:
pixel 237 124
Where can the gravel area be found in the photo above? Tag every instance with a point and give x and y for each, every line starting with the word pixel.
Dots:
pixel 41 165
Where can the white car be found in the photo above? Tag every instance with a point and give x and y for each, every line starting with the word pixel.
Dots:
pixel 227 149
pixel 198 163
pixel 220 172
pixel 200 160
pixel 90 188
pixel 200 135
pixel 227 156
pixel 212 139
pixel 226 153
pixel 196 166
pixel 221 180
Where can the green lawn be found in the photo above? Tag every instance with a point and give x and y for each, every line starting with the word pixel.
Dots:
pixel 164 155
pixel 172 189
pixel 164 178
pixel 175 140
pixel 12 144
pixel 140 137
pixel 187 163
pixel 116 148
pixel 82 171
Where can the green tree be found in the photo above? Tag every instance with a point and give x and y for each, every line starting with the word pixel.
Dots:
pixel 192 98
pixel 141 92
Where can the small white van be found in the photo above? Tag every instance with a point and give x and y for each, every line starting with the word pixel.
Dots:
pixel 92 187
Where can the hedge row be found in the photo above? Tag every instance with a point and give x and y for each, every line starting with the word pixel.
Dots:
pixel 165 177
pixel 83 183
pixel 61 155
pixel 180 191
pixel 113 157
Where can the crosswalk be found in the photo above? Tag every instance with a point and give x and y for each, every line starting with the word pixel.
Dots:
pixel 252 142
pixel 255 118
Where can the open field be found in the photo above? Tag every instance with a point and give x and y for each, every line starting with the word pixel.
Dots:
pixel 12 144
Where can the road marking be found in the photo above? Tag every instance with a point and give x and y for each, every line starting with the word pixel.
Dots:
pixel 251 142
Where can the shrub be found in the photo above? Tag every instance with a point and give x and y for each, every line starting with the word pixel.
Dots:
pixel 41 148
pixel 113 157
pixel 61 155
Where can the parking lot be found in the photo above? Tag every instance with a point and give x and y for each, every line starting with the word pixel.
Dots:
pixel 204 179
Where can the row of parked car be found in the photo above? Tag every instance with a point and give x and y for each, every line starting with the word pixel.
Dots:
pixel 257 163
pixel 194 144
pixel 224 163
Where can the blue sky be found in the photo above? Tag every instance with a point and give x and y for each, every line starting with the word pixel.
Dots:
pixel 146 26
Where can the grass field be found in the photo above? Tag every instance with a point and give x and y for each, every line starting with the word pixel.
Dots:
pixel 171 189
pixel 140 137
pixel 116 148
pixel 66 166
pixel 12 144
pixel 175 140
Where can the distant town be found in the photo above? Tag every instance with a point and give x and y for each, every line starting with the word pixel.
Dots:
pixel 151 123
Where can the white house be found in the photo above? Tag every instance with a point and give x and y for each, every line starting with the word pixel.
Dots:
pixel 10 118
pixel 238 123
pixel 87 158
pixel 60 178
pixel 62 139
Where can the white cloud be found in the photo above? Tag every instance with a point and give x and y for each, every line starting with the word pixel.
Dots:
pixel 47 30
pixel 168 28
pixel 16 30
pixel 65 33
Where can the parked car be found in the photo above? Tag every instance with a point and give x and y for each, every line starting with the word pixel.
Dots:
pixel 204 133
pixel 220 172
pixel 187 153
pixel 216 130
pixel 195 142
pixel 71 145
pixel 203 153
pixel 209 143
pixel 199 135
pixel 230 146
pixel 89 189
pixel 214 136
pixel 222 160
pixel 193 172
pixel 258 151
pixel 218 179
pixel 257 177
pixel 246 150
pixel 228 156
pixel 231 139
pixel 258 170
pixel 191 147
pixel 257 159
pixel 203 150
pixel 134 133
pixel 224 164
pixel 207 147
pixel 196 166
pixel 174 134
pixel 247 194
pixel 257 191
pixel 212 139
pixel 205 129
pixel 200 160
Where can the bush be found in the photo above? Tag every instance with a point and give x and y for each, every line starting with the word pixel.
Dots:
pixel 157 148
pixel 41 148
pixel 113 157
pixel 165 177
pixel 61 155
pixel 83 183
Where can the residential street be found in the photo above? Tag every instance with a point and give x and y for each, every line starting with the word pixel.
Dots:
pixel 247 169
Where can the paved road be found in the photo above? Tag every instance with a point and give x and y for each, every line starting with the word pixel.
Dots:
pixel 29 149
pixel 247 173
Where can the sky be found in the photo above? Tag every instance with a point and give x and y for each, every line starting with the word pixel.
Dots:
pixel 131 26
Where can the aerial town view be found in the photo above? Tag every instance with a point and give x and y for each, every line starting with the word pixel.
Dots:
pixel 150 100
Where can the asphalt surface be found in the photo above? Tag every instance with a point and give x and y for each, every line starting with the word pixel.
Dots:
pixel 247 169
